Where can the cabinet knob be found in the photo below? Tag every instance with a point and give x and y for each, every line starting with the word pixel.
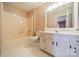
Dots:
pixel 75 49
pixel 56 44
pixel 70 46
pixel 77 41
pixel 52 42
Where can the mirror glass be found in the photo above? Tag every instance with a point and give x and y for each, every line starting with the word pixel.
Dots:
pixel 60 17
pixel 78 14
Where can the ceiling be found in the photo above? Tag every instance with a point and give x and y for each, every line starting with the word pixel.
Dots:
pixel 26 6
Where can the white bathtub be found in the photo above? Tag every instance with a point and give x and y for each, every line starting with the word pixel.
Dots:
pixel 13 43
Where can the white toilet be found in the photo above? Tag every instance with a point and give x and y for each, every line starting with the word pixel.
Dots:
pixel 35 41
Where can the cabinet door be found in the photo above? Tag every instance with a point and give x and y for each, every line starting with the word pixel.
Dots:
pixel 48 45
pixel 77 46
pixel 70 46
pixel 42 42
pixel 74 51
pixel 60 45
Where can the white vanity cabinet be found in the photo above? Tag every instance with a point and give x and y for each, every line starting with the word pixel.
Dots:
pixel 66 45
pixel 42 40
pixel 46 42
pixel 49 43
pixel 60 45
pixel 74 46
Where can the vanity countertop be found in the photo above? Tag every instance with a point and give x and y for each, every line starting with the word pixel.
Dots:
pixel 68 33
pixel 48 32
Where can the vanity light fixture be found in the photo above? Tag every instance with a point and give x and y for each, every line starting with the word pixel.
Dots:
pixel 56 5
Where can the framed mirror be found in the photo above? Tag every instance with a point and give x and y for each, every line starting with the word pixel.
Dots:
pixel 61 15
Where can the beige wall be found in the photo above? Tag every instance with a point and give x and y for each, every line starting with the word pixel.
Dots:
pixel 30 23
pixel 15 10
pixel 14 25
pixel 30 26
pixel 40 17
pixel 0 25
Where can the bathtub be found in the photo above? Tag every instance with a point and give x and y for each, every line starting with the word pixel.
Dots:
pixel 13 43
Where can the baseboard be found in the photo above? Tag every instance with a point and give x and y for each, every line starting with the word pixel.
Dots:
pixel 47 53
